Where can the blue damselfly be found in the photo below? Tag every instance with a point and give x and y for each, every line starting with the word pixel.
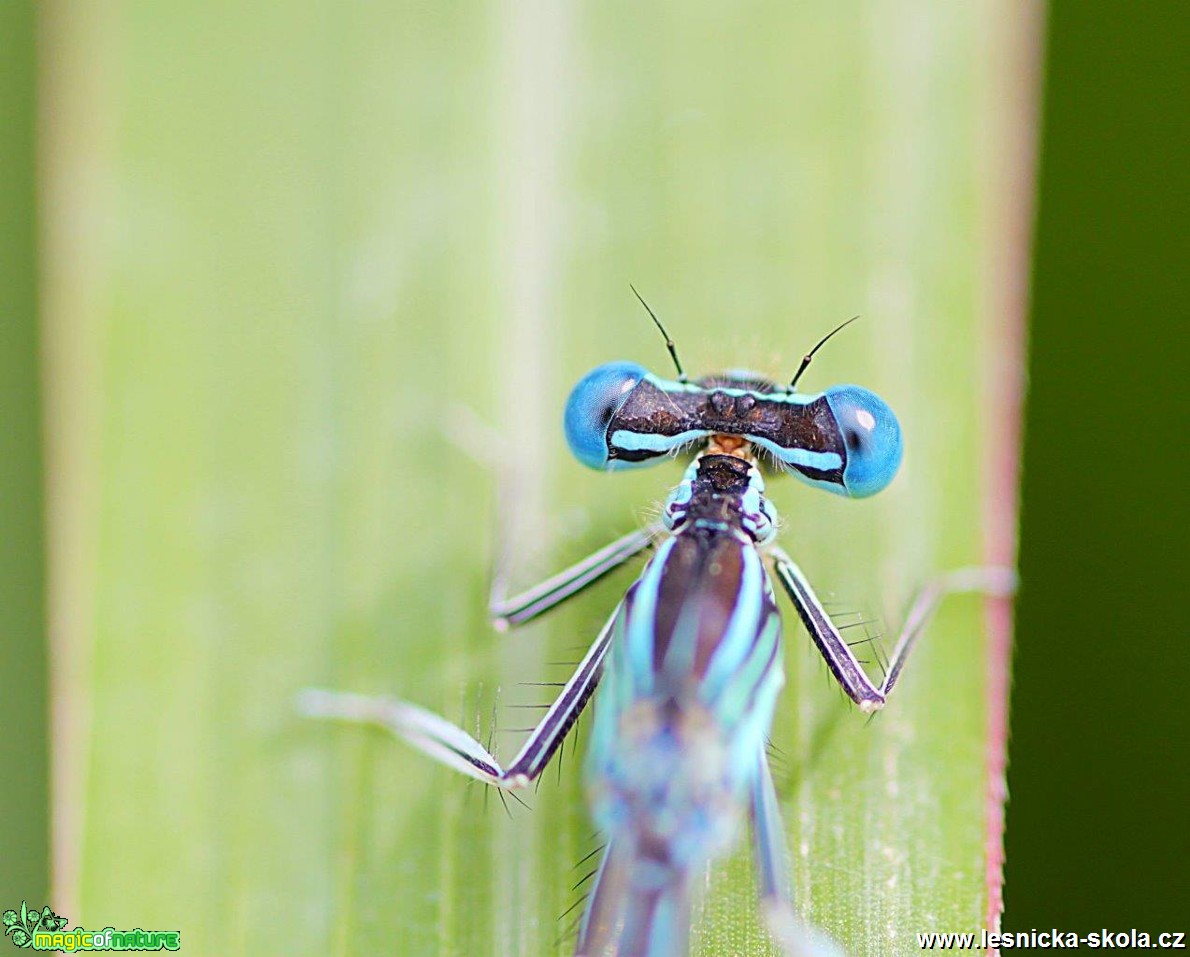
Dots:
pixel 688 665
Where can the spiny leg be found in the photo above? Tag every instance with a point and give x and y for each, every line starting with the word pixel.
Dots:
pixel 848 672
pixel 450 744
pixel 991 580
pixel 794 937
pixel 468 432
pixel 508 612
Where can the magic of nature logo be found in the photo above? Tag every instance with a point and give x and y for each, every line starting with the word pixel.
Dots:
pixel 45 930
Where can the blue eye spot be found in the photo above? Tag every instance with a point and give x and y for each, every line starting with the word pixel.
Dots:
pixel 599 395
pixel 871 435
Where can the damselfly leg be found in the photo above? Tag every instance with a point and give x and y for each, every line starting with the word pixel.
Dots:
pixel 509 612
pixel 467 431
pixel 993 581
pixel 772 873
pixel 450 744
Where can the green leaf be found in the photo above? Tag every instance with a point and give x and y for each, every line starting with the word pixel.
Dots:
pixel 289 242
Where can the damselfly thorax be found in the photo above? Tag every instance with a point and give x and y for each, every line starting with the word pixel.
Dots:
pixel 690 683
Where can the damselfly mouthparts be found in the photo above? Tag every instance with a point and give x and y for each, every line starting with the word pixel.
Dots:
pixel 689 664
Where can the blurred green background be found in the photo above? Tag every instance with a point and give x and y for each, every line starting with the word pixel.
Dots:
pixel 293 255
pixel 1100 776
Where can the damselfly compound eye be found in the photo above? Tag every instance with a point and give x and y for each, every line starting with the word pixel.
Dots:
pixel 599 395
pixel 871 435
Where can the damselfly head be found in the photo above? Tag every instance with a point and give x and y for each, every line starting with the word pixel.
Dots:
pixel 846 439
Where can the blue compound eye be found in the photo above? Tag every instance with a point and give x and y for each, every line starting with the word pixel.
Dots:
pixel 599 395
pixel 871 435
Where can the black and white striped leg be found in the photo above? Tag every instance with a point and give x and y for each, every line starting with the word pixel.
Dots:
pixel 450 744
pixel 834 649
pixel 509 612
pixel 989 580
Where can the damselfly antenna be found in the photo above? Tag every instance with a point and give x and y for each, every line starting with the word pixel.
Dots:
pixel 669 343
pixel 810 355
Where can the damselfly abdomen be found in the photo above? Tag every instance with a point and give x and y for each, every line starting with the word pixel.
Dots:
pixel 689 664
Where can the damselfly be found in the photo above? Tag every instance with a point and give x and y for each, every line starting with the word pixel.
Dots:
pixel 689 664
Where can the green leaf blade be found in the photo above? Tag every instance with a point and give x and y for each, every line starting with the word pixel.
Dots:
pixel 365 221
